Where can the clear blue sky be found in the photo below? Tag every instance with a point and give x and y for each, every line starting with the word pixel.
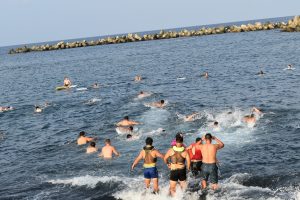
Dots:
pixel 27 21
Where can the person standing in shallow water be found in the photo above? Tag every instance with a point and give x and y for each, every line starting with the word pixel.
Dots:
pixel 195 156
pixel 108 150
pixel 82 139
pixel 209 167
pixel 180 162
pixel 149 154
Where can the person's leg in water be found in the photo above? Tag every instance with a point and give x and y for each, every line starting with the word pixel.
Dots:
pixel 147 182
pixel 203 184
pixel 173 188
pixel 155 185
pixel 182 185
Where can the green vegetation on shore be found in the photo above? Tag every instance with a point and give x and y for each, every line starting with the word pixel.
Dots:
pixel 292 26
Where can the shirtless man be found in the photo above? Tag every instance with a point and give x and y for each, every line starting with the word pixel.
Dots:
pixel 137 78
pixel 191 117
pixel 158 104
pixel 127 122
pixel 209 160
pixel 149 154
pixel 205 75
pixel 82 139
pixel 38 109
pixel 195 156
pixel 67 82
pixel 180 161
pixel 91 148
pixel 143 94
pixel 108 150
pixel 249 119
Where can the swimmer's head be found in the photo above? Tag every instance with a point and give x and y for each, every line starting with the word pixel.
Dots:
pixel 131 128
pixel 162 101
pixel 229 113
pixel 92 144
pixel 252 115
pixel 107 141
pixel 216 123
pixel 179 138
pixel 82 133
pixel 126 118
pixel 208 136
pixel 128 136
pixel 198 139
pixel 141 92
pixel 37 107
pixel 149 141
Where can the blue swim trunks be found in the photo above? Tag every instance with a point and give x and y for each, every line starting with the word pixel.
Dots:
pixel 150 173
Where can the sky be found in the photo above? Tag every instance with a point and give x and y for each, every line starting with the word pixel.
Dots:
pixel 30 21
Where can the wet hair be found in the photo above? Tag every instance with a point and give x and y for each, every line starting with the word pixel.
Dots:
pixel 229 113
pixel 216 123
pixel 36 107
pixel 141 92
pixel 198 139
pixel 179 138
pixel 126 117
pixel 128 136
pixel 252 115
pixel 107 141
pixel 179 134
pixel 208 136
pixel 162 101
pixel 149 141
pixel 131 128
pixel 82 133
pixel 93 144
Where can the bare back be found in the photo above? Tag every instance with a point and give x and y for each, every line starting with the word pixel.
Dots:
pixel 209 153
pixel 107 151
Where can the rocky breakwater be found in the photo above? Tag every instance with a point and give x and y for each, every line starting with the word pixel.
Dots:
pixel 292 25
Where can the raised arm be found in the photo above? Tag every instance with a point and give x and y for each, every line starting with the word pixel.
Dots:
pixel 220 144
pixel 137 160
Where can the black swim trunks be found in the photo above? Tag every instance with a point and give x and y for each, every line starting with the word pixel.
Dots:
pixel 178 175
pixel 210 170
pixel 196 167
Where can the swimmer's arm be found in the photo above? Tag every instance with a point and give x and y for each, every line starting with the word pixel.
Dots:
pixel 167 155
pixel 220 144
pixel 115 151
pixel 160 155
pixel 101 154
pixel 89 139
pixel 188 161
pixel 137 160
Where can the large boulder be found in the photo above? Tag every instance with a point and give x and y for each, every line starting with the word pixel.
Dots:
pixel 293 25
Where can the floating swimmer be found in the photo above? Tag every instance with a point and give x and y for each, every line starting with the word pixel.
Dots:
pixel 4 109
pixel 249 119
pixel 38 109
pixel 127 122
pixel 149 154
pixel 143 94
pixel 124 130
pixel 289 67
pixel 205 75
pixel 190 118
pixel 91 148
pixel 158 104
pixel 180 162
pixel 261 73
pixel 82 139
pixel 108 150
pixel 256 110
pixel 95 86
pixel 137 78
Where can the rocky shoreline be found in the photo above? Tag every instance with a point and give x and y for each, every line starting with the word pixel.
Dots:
pixel 293 25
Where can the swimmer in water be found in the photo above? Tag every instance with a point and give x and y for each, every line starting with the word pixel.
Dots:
pixel 8 108
pixel 249 119
pixel 137 78
pixel 149 155
pixel 67 82
pixel 108 150
pixel 216 124
pixel 143 94
pixel 128 136
pixel 82 139
pixel 124 129
pixel 261 73
pixel 91 148
pixel 38 109
pixel 178 164
pixel 209 167
pixel 95 86
pixel 158 104
pixel 205 75
pixel 256 111
pixel 127 122
pixel 191 117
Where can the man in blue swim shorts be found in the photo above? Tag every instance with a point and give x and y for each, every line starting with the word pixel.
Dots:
pixel 149 154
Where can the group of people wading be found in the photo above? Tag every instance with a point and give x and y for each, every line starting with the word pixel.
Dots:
pixel 199 158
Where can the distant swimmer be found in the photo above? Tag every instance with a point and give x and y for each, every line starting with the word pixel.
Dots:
pixel 216 124
pixel 190 118
pixel 124 129
pixel 179 163
pixel 137 78
pixel 4 109
pixel 67 82
pixel 261 73
pixel 250 119
pixel 149 155
pixel 143 94
pixel 127 122
pixel 289 67
pixel 205 75
pixel 95 86
pixel 209 168
pixel 91 148
pixel 256 111
pixel 38 109
pixel 128 136
pixel 195 156
pixel 108 150
pixel 82 139
pixel 158 104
